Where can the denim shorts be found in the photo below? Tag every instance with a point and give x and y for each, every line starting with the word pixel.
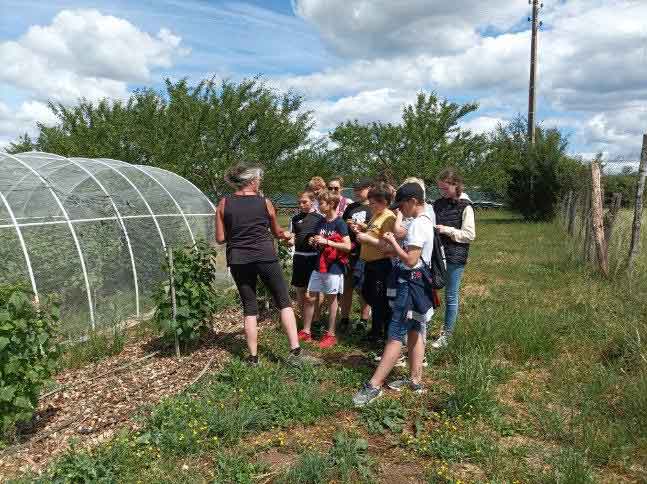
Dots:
pixel 399 329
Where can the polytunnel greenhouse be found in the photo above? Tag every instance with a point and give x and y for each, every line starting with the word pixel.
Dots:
pixel 94 232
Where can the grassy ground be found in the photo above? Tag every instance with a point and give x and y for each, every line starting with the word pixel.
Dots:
pixel 545 381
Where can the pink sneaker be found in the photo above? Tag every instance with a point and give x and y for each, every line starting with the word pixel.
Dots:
pixel 303 336
pixel 327 341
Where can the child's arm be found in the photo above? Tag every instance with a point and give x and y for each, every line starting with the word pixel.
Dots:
pixel 410 257
pixel 344 245
pixel 398 229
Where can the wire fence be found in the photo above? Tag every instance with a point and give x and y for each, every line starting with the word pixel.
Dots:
pixel 607 233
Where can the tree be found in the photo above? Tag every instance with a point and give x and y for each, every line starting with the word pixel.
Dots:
pixel 428 138
pixel 535 175
pixel 195 131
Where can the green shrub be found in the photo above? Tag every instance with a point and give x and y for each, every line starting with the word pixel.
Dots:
pixel 384 415
pixel 28 353
pixel 194 272
pixel 347 461
pixel 80 466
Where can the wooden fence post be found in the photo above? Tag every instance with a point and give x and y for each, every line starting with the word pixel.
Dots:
pixel 638 211
pixel 611 215
pixel 171 277
pixel 572 214
pixel 566 208
pixel 586 222
pixel 597 218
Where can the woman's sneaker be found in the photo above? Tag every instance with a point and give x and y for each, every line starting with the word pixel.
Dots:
pixel 304 336
pixel 399 385
pixel 441 342
pixel 302 358
pixel 366 395
pixel 327 341
pixel 252 361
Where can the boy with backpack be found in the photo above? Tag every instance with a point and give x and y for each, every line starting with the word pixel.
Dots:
pixel 413 305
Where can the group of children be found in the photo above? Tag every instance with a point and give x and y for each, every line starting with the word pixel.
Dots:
pixel 380 246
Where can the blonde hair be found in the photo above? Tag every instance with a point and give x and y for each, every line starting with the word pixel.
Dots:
pixel 329 197
pixel 241 175
pixel 316 183
pixel 307 193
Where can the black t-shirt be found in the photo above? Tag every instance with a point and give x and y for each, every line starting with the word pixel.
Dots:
pixel 357 212
pixel 247 229
pixel 327 229
pixel 304 225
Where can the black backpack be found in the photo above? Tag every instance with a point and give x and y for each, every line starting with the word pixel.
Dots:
pixel 438 265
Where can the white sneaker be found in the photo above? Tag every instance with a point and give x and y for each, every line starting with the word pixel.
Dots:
pixel 441 342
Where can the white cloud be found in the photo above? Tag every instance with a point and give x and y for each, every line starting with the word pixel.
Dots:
pixel 592 64
pixel 23 119
pixel 482 124
pixel 366 106
pixel 379 28
pixel 84 53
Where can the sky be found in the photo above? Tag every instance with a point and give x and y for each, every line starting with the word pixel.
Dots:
pixel 351 59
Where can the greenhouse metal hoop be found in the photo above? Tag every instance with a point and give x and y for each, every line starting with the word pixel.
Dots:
pixel 177 205
pixel 46 160
pixel 23 246
pixel 72 232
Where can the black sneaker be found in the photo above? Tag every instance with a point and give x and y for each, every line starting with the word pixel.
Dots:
pixel 361 326
pixel 399 385
pixel 252 361
pixel 302 358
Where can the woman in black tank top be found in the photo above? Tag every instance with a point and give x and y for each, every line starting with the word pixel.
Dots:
pixel 244 221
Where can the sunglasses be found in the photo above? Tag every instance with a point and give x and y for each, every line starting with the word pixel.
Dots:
pixel 333 189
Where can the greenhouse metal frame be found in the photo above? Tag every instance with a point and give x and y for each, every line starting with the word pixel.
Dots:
pixel 39 190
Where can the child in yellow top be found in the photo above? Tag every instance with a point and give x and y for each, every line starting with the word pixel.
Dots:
pixel 377 263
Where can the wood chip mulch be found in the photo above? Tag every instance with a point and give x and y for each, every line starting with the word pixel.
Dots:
pixel 101 398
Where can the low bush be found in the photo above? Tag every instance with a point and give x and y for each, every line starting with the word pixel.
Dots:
pixel 347 461
pixel 194 272
pixel 28 353
pixel 384 416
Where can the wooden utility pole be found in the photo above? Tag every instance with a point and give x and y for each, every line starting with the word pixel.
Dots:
pixel 638 211
pixel 598 217
pixel 532 102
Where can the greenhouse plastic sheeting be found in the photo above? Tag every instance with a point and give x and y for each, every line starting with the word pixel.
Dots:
pixel 94 232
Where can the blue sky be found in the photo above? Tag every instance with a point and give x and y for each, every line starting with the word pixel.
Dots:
pixel 350 58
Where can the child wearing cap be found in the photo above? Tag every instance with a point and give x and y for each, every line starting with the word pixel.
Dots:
pixel 413 305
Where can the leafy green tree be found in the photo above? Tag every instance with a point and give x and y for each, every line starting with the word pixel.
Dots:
pixel 534 175
pixel 428 138
pixel 195 131
pixel 624 183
